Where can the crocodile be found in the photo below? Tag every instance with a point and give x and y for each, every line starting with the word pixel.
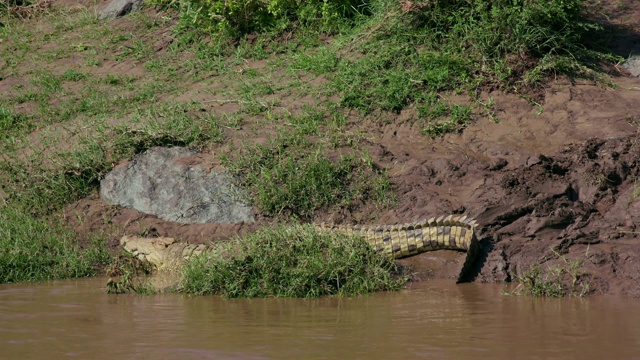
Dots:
pixel 395 241
pixel 405 240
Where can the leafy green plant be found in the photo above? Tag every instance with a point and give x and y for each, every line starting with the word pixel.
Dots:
pixel 237 17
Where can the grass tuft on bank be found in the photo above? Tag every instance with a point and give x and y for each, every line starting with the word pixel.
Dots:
pixel 564 278
pixel 291 261
pixel 292 177
pixel 32 250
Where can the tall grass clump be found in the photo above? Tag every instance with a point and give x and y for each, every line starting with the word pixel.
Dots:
pixel 293 261
pixel 36 250
pixel 293 177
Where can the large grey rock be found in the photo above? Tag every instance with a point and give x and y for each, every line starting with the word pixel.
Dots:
pixel 155 183
pixel 117 8
pixel 633 65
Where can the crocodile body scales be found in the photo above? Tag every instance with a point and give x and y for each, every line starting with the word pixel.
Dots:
pixel 395 241
pixel 401 241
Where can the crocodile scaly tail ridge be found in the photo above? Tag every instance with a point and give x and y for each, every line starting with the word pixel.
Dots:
pixel 400 241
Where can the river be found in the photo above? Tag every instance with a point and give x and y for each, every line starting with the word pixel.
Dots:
pixel 435 320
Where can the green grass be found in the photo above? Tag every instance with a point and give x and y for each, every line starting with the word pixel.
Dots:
pixel 292 176
pixel 292 261
pixel 33 249
pixel 635 193
pixel 12 123
pixel 535 282
pixel 129 274
pixel 399 57
pixel 561 280
pixel 458 117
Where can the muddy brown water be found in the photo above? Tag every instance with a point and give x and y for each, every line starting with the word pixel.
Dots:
pixel 76 319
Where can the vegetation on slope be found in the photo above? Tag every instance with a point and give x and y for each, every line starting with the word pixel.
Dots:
pixel 65 124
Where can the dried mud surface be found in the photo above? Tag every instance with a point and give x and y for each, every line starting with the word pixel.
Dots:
pixel 559 180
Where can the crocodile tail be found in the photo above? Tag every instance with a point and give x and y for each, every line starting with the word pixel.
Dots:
pixel 398 241
pixel 472 255
pixel 468 240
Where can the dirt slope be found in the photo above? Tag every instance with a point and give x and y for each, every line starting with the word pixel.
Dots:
pixel 556 179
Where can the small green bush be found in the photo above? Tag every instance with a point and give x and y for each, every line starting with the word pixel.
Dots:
pixel 295 261
pixel 245 16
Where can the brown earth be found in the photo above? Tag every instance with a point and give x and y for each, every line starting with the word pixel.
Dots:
pixel 549 183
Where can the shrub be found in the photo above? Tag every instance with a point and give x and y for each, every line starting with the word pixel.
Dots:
pixel 244 16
